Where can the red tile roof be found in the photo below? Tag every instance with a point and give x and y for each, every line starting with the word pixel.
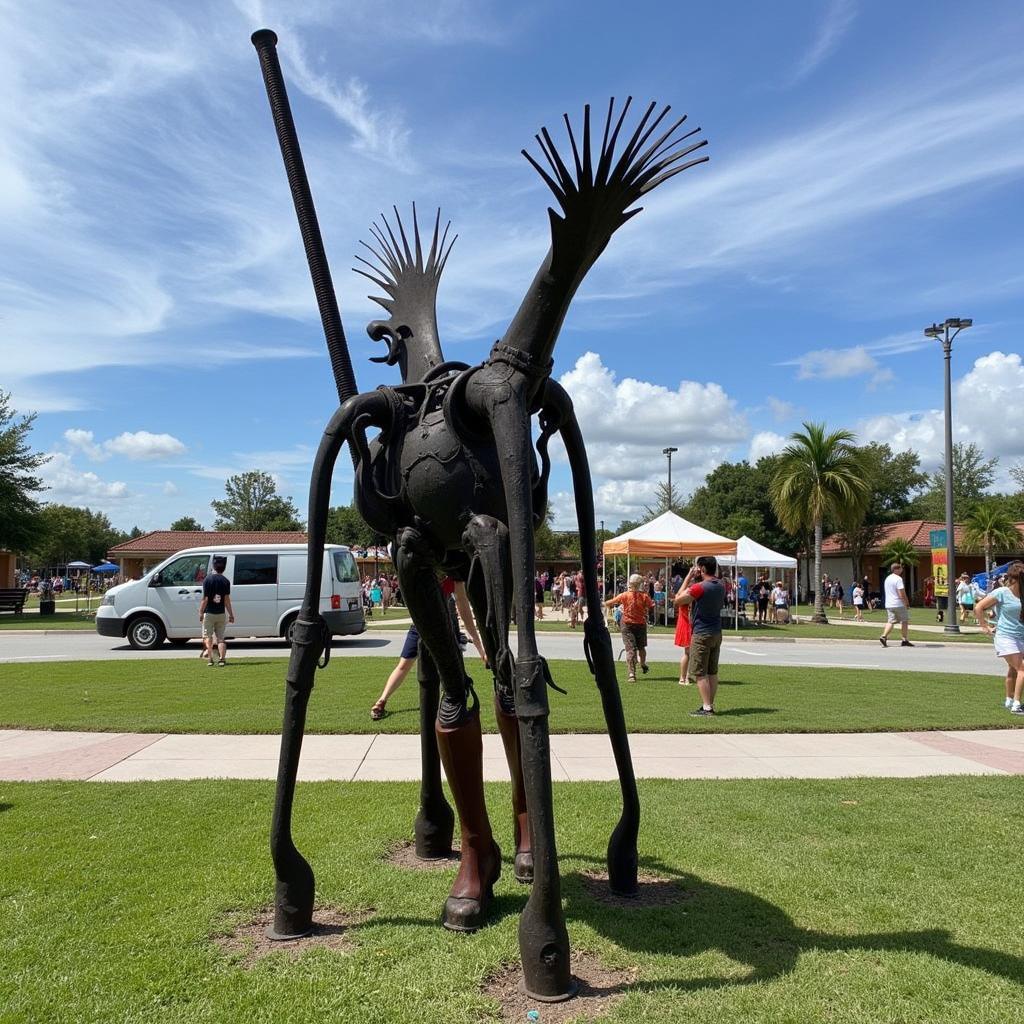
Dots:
pixel 169 541
pixel 915 530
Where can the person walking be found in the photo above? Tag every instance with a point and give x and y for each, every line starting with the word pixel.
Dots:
pixel 705 598
pixel 411 646
pixel 897 607
pixel 215 611
pixel 684 630
pixel 635 604
pixel 965 598
pixel 858 601
pixel 1008 633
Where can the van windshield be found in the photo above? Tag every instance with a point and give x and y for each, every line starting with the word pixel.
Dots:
pixel 345 568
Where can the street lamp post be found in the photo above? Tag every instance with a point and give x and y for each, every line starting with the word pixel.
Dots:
pixel 668 452
pixel 942 332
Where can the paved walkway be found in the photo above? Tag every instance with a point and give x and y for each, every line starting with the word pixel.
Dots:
pixel 29 755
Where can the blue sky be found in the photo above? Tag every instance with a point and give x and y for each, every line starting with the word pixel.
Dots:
pixel 155 309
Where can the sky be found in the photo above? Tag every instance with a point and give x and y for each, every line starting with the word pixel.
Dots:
pixel 865 179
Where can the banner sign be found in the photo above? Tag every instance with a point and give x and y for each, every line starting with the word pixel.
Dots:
pixel 940 562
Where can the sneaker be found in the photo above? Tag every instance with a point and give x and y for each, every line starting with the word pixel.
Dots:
pixel 212 664
pixel 222 663
pixel 631 678
pixel 1018 710
pixel 1008 703
pixel 703 712
pixel 645 669
pixel 883 641
pixel 906 643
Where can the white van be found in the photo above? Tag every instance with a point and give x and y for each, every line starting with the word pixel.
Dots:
pixel 267 584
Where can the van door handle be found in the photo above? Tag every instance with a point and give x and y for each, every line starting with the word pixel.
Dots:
pixel 182 591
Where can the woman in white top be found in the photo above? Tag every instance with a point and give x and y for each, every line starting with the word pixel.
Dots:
pixel 1008 633
pixel 858 601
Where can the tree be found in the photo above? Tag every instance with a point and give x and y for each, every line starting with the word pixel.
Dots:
pixel 252 503
pixel 70 533
pixel 899 549
pixel 820 476
pixel 664 501
pixel 20 521
pixel 734 500
pixel 973 475
pixel 989 528
pixel 1017 473
pixel 346 526
pixel 186 524
pixel 894 477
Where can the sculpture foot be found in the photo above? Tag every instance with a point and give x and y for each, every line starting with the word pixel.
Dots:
pixel 467 914
pixel 523 867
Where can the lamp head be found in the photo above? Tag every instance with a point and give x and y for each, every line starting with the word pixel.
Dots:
pixel 668 451
pixel 935 331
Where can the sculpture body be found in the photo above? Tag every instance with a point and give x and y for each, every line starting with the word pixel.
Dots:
pixel 455 478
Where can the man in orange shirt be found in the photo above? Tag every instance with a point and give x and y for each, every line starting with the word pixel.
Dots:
pixel 636 603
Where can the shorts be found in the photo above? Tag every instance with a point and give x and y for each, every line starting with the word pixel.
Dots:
pixel 214 626
pixel 1006 645
pixel 900 614
pixel 704 651
pixel 411 647
pixel 634 637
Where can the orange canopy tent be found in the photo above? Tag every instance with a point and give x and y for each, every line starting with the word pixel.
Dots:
pixel 669 536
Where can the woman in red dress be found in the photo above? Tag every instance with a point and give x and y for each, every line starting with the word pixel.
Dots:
pixel 684 629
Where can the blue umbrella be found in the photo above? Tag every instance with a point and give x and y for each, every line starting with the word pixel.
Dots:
pixel 106 567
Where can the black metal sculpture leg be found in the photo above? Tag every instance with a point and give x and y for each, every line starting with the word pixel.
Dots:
pixel 490 593
pixel 622 851
pixel 459 740
pixel 435 820
pixel 543 939
pixel 294 890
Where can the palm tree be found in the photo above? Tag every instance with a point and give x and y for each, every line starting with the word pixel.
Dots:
pixel 989 528
pixel 820 476
pixel 899 549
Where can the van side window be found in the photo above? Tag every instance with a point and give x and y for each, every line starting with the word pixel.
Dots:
pixel 188 569
pixel 254 569
pixel 345 568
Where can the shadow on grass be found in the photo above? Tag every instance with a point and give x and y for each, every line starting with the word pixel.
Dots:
pixel 739 712
pixel 6 807
pixel 750 930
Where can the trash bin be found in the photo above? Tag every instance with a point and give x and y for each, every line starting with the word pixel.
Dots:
pixel 47 606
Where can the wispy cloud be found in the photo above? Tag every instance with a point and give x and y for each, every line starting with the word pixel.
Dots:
pixel 838 18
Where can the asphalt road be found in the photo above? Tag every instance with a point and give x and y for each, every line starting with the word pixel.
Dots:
pixel 923 657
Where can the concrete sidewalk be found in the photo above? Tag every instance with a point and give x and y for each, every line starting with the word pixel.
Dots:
pixel 29 755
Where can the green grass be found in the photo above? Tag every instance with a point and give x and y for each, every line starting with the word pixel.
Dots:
pixel 854 901
pixel 63 618
pixel 179 695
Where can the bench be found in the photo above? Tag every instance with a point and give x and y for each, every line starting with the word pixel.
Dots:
pixel 12 599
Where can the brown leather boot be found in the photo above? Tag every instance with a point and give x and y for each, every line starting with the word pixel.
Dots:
pixel 508 726
pixel 461 749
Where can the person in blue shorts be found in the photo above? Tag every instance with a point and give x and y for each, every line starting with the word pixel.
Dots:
pixel 411 646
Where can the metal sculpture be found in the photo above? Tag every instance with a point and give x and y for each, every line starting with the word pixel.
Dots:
pixel 453 478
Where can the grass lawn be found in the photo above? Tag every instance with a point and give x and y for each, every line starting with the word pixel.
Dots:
pixel 179 695
pixel 63 618
pixel 855 901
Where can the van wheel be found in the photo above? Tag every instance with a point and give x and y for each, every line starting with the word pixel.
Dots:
pixel 146 633
pixel 286 627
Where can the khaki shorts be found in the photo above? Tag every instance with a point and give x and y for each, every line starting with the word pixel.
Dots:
pixel 897 614
pixel 214 626
pixel 704 651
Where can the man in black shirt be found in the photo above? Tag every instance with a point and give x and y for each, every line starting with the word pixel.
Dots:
pixel 215 610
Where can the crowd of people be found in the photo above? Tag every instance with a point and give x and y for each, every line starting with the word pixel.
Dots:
pixel 382 591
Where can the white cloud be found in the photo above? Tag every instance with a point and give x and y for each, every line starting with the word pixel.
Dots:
pixel 780 409
pixel 627 423
pixel 70 486
pixel 835 363
pixel 142 445
pixel 139 445
pixel 170 488
pixel 765 442
pixel 838 18
pixel 984 401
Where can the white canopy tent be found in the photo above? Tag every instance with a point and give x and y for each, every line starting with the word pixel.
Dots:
pixel 669 537
pixel 752 555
